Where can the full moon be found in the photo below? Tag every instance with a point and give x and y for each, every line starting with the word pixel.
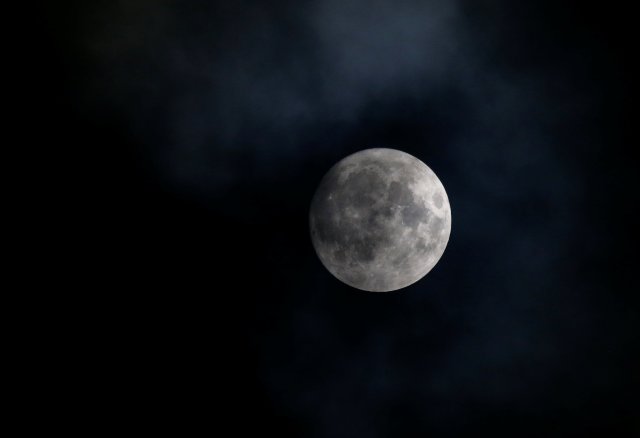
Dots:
pixel 380 220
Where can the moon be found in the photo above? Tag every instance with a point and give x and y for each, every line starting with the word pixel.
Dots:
pixel 380 220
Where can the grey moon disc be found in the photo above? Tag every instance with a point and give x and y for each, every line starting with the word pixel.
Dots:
pixel 380 220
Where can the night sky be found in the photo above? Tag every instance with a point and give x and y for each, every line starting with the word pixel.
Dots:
pixel 201 130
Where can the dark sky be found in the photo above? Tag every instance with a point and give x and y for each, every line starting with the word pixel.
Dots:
pixel 202 130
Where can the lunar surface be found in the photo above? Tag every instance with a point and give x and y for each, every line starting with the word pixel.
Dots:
pixel 380 220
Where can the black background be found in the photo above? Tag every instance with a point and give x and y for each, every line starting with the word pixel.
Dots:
pixel 198 132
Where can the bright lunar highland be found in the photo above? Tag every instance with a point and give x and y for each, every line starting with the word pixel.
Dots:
pixel 380 220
